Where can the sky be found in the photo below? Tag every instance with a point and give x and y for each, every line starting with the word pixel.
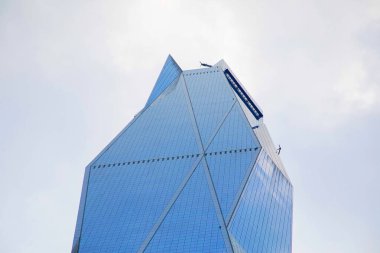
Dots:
pixel 74 73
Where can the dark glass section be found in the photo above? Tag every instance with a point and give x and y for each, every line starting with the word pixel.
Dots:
pixel 163 130
pixel 191 225
pixel 211 99
pixel 124 202
pixel 169 73
pixel 262 219
pixel 243 95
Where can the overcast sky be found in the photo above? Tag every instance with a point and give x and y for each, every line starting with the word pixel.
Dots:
pixel 74 73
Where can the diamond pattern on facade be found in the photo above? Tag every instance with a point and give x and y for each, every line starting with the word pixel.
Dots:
pixel 188 174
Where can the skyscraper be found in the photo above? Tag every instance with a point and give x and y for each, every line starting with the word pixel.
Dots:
pixel 194 171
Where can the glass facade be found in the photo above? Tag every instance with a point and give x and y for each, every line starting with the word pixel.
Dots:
pixel 194 171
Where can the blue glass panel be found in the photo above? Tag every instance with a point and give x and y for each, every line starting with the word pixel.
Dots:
pixel 266 142
pixel 227 172
pixel 192 224
pixel 124 202
pixel 169 73
pixel 266 216
pixel 289 219
pixel 235 133
pixel 273 231
pixel 155 133
pixel 230 157
pixel 262 218
pixel 211 99
pixel 78 226
pixel 235 245
pixel 284 240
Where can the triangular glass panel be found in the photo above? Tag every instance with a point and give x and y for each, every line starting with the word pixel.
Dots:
pixel 211 98
pixel 191 224
pixel 230 157
pixel 235 133
pixel 169 73
pixel 124 202
pixel 160 131
pixel 264 210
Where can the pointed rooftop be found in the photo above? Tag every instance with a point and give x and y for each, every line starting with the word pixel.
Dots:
pixel 169 73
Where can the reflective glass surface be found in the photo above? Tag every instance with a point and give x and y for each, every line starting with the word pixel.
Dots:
pixel 155 133
pixel 190 173
pixel 267 144
pixel 169 73
pixel 230 157
pixel 124 202
pixel 192 224
pixel 235 133
pixel 211 98
pixel 262 221
pixel 78 225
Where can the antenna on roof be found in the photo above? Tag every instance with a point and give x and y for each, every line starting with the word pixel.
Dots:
pixel 205 65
